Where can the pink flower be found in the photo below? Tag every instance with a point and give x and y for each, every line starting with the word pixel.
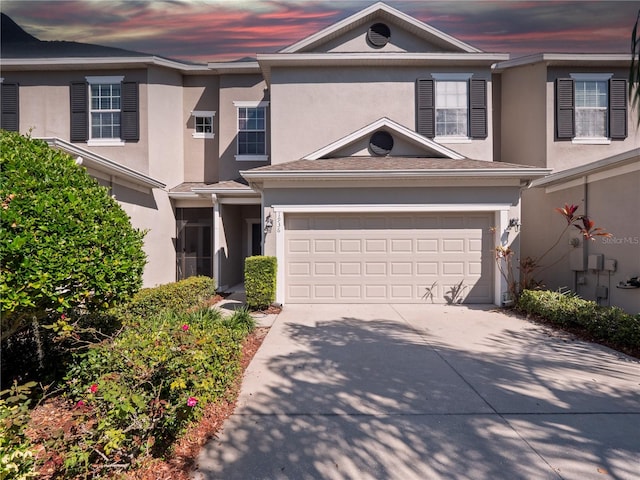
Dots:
pixel 185 327
pixel 80 404
pixel 94 388
pixel 192 402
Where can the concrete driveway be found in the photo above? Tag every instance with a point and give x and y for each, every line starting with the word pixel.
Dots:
pixel 428 392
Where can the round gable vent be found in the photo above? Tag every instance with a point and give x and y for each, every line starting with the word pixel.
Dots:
pixel 378 35
pixel 381 143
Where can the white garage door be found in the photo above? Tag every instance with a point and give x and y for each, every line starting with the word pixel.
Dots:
pixel 403 258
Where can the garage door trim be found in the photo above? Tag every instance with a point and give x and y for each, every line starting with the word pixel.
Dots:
pixel 501 222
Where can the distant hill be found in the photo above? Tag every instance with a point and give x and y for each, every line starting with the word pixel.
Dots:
pixel 16 43
pixel 11 32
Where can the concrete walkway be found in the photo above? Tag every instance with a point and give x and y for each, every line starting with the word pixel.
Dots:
pixel 428 392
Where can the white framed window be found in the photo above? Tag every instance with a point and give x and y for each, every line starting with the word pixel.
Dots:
pixel 105 107
pixel 451 102
pixel 252 131
pixel 591 106
pixel 203 124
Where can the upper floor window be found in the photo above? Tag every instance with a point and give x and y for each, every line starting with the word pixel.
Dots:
pixel 105 107
pixel 203 124
pixel 104 111
pixel 591 108
pixel 252 131
pixel 451 107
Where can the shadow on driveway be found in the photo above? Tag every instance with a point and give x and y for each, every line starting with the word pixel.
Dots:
pixel 412 392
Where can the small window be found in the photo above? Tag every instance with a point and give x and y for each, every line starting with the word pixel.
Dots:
pixel 203 124
pixel 252 131
pixel 381 143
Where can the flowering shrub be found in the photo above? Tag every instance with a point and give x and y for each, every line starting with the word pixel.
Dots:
pixel 132 395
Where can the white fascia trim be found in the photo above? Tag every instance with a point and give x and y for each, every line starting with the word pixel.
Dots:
pixel 359 58
pixel 566 59
pixel 251 103
pixel 391 208
pixel 391 125
pixel 116 62
pixel 105 79
pixel 630 156
pixel 90 159
pixel 344 24
pixel 385 174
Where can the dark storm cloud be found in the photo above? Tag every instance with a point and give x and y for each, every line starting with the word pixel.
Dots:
pixel 226 29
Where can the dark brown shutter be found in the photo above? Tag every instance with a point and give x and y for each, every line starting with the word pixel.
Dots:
pixel 79 112
pixel 618 108
pixel 9 108
pixel 129 118
pixel 478 108
pixel 425 108
pixel 565 106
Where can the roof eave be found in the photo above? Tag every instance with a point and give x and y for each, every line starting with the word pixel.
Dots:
pixel 526 174
pixel 81 63
pixel 567 59
pixel 89 159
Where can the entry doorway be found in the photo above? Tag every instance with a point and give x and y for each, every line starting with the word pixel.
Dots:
pixel 194 242
pixel 254 237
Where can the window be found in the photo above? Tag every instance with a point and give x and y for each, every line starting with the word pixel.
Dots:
pixel 203 124
pixel 451 107
pixel 591 108
pixel 252 131
pixel 104 111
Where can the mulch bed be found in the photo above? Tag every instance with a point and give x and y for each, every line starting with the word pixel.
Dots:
pixel 55 417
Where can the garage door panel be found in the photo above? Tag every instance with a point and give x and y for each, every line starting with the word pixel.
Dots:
pixel 377 258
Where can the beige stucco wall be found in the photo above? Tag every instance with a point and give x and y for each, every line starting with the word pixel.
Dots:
pixel 313 107
pixel 565 154
pixel 152 211
pixel 200 154
pixel 165 125
pixel 612 203
pixel 237 88
pixel 45 110
pixel 523 102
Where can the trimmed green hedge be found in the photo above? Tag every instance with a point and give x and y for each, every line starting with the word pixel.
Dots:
pixel 260 281
pixel 610 324
pixel 181 295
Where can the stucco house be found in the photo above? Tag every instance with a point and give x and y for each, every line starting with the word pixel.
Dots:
pixel 379 159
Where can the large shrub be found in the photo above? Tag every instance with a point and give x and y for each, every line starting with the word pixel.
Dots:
pixel 610 324
pixel 64 242
pixel 136 393
pixel 260 281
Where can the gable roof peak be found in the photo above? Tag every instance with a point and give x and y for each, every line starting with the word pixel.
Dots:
pixel 383 10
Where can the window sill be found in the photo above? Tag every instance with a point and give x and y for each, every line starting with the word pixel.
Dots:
pixel 203 135
pixel 252 158
pixel 591 141
pixel 452 139
pixel 105 142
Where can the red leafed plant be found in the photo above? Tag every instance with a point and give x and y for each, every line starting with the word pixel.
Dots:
pixel 529 266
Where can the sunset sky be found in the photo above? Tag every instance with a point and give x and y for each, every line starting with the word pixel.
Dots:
pixel 215 30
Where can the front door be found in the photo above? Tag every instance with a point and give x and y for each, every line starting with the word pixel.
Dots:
pixel 194 242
